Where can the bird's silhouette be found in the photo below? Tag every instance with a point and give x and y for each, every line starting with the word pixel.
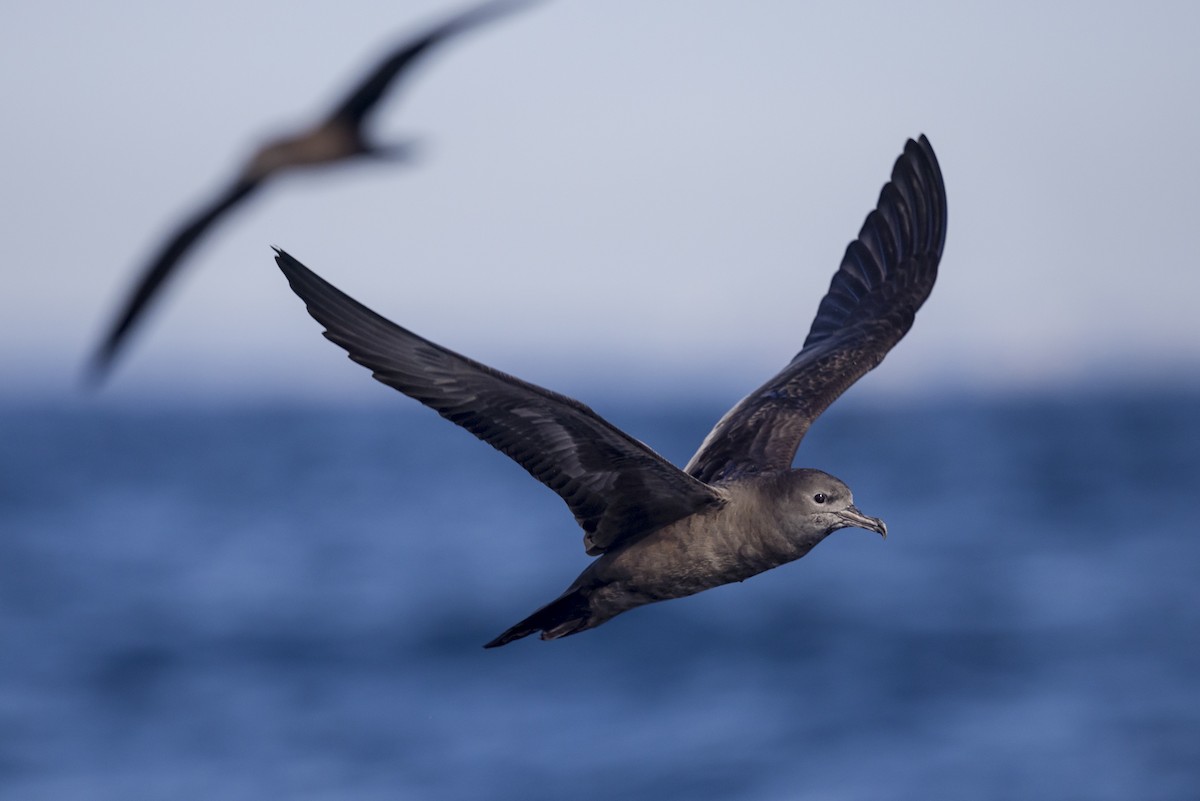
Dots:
pixel 339 136
pixel 737 508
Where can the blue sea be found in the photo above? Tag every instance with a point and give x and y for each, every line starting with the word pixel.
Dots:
pixel 288 600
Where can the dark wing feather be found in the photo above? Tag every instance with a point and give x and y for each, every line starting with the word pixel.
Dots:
pixel 366 95
pixel 159 270
pixel 616 487
pixel 885 276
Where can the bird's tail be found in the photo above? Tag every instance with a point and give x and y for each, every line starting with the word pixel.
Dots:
pixel 567 614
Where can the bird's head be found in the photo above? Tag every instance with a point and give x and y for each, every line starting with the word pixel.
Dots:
pixel 821 504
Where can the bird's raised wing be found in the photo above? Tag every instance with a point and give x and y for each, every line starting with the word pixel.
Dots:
pixel 159 270
pixel 363 99
pixel 616 487
pixel 885 276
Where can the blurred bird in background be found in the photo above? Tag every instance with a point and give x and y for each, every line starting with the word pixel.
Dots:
pixel 339 137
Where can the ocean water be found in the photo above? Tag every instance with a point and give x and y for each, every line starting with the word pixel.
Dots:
pixel 288 601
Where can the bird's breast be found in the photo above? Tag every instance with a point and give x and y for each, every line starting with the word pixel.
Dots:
pixel 694 554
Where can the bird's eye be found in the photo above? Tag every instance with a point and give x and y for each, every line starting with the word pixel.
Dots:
pixel 820 497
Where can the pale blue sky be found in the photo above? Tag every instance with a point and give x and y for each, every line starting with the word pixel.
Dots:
pixel 612 194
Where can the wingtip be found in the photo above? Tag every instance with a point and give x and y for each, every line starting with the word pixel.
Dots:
pixel 517 632
pixel 920 145
pixel 919 165
pixel 492 9
pixel 99 366
pixel 909 219
pixel 929 170
pixel 475 15
pixel 95 372
pixel 287 262
pixel 920 148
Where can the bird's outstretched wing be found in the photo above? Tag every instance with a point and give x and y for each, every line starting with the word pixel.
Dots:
pixel 616 487
pixel 159 270
pixel 885 276
pixel 365 97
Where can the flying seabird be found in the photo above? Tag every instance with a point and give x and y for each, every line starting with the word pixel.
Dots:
pixel 338 137
pixel 738 507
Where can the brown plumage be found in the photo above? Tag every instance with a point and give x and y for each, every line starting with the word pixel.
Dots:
pixel 737 508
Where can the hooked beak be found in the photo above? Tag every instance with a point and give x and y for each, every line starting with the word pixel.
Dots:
pixel 853 517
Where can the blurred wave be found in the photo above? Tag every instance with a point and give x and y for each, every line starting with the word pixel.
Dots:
pixel 289 601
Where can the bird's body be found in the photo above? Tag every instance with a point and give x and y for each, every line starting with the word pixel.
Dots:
pixel 330 143
pixel 338 137
pixel 761 523
pixel 737 508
